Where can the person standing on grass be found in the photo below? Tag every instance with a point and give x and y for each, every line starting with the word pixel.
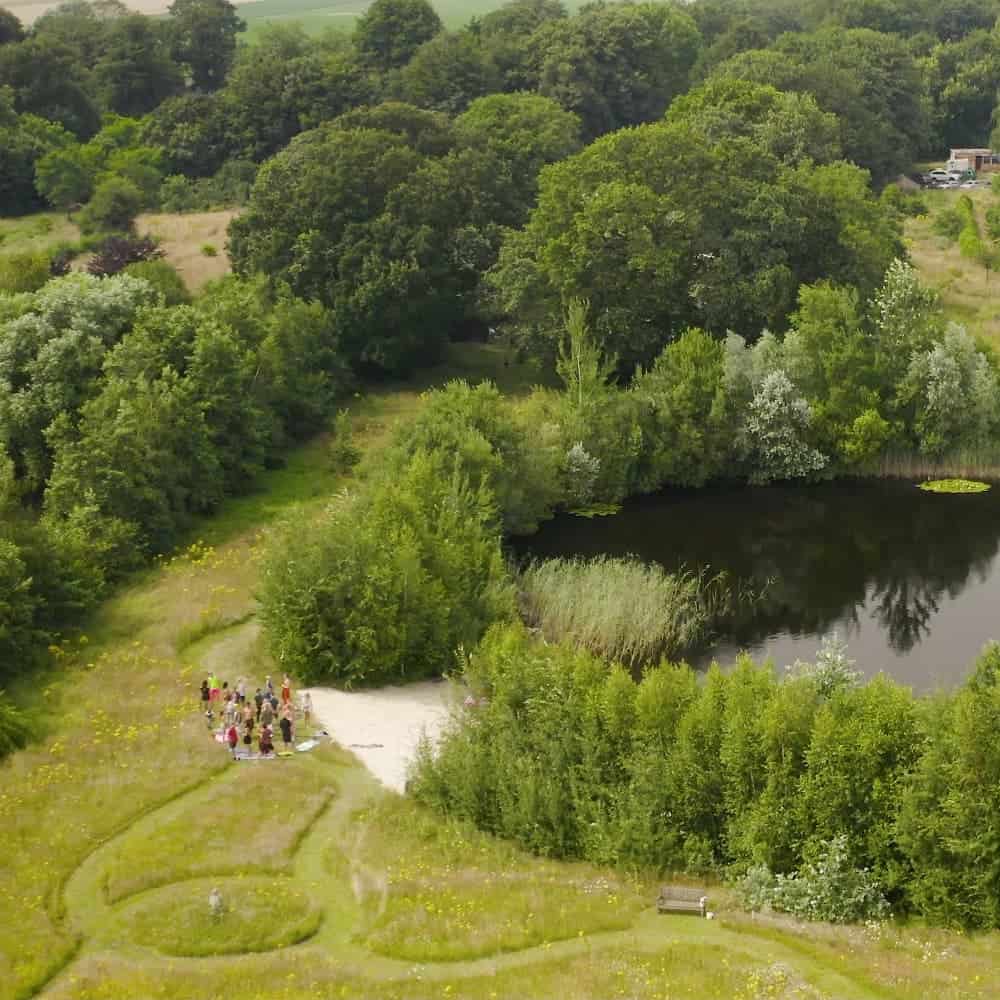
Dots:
pixel 213 690
pixel 248 732
pixel 307 707
pixel 205 694
pixel 266 714
pixel 268 687
pixel 286 691
pixel 241 691
pixel 258 700
pixel 266 740
pixel 232 738
pixel 286 725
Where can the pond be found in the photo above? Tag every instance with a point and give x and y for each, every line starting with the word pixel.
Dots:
pixel 909 579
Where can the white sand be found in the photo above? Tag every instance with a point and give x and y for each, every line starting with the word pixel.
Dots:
pixel 382 727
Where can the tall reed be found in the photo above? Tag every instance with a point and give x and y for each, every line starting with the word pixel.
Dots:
pixel 622 609
pixel 965 463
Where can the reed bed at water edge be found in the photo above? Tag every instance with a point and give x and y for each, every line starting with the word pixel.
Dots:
pixel 622 608
pixel 970 463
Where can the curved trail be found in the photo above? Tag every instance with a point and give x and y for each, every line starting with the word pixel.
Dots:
pixel 347 902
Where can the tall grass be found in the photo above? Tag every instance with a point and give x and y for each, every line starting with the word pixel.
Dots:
pixel 622 609
pixel 968 463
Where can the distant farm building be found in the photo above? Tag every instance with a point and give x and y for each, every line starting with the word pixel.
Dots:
pixel 974 159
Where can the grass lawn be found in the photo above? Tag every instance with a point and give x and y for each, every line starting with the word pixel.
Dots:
pixel 969 293
pixel 124 814
pixel 31 233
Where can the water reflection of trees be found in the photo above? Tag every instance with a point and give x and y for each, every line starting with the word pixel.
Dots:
pixel 828 554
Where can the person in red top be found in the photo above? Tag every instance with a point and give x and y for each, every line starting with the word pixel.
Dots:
pixel 286 691
pixel 232 737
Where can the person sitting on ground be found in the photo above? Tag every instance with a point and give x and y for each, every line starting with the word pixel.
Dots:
pixel 286 725
pixel 266 740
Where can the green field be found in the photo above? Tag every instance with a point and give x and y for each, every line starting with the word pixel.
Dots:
pixel 315 16
pixel 969 293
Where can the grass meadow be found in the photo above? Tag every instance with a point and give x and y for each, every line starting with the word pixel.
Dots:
pixel 970 293
pixel 124 813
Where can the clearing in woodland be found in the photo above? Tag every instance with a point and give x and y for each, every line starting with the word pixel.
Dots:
pixel 124 815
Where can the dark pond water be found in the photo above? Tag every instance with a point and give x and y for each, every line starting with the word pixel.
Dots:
pixel 909 579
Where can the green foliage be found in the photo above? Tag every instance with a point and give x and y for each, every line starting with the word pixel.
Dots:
pixel 24 272
pixel 833 799
pixel 203 35
pixel 473 427
pixel 112 208
pixel 829 889
pixel 15 729
pixel 390 31
pixel 163 277
pixel 389 583
pixel 662 228
pixel 344 452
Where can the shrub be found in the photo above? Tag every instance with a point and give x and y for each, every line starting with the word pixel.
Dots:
pixel 115 253
pixel 831 888
pixel 113 208
pixel 390 582
pixel 24 272
pixel 209 250
pixel 344 453
pixel 14 727
pixel 163 277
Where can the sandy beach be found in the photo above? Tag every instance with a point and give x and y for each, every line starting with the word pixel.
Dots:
pixel 383 727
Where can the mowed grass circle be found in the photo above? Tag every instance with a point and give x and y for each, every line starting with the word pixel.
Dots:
pixel 954 486
pixel 259 914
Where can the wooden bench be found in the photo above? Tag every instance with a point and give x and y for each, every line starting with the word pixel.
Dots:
pixel 681 899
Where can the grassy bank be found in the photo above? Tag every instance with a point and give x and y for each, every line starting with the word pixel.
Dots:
pixel 375 897
pixel 969 293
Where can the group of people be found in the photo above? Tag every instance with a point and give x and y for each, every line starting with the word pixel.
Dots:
pixel 241 715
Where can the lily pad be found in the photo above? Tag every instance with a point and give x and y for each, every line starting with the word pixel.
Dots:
pixel 954 486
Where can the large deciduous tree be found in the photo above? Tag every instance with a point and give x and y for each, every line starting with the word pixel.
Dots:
pixel 390 32
pixel 204 39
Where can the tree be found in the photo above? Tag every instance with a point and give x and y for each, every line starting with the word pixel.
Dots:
pixel 615 64
pixel 112 208
pixel 448 72
pixel 870 80
pixel 662 228
pixel 191 132
pixel 135 72
pixel 11 29
pixel 390 32
pixel 48 81
pixel 789 126
pixel 204 39
pixel 687 433
pixel 65 177
pixel 521 133
pixel 774 435
pixel 257 102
